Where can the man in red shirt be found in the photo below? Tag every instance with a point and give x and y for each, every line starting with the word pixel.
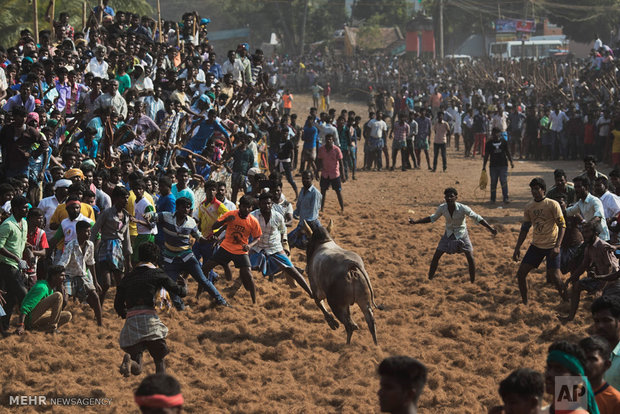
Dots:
pixel 329 160
pixel 240 225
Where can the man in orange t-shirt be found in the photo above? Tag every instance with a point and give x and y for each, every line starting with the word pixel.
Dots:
pixel 240 225
pixel 287 99
pixel 597 351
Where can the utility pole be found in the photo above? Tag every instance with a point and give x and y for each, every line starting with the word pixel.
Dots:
pixel 303 27
pixel 441 29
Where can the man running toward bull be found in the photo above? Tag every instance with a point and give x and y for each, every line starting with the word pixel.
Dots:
pixel 240 226
pixel 270 254
pixel 455 238
pixel 307 211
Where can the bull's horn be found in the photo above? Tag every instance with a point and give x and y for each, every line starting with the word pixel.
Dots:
pixel 330 225
pixel 307 228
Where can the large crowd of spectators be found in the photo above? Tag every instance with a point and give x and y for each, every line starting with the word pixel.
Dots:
pixel 132 133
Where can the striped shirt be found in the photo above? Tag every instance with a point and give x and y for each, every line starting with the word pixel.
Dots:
pixel 177 238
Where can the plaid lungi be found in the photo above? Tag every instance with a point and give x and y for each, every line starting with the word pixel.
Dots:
pixel 451 245
pixel 269 264
pixel 111 254
pixel 142 327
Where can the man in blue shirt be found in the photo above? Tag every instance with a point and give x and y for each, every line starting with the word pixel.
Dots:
pixel 205 131
pixel 310 137
pixel 180 189
pixel 216 68
pixel 88 144
pixel 165 203
pixel 107 10
pixel 307 211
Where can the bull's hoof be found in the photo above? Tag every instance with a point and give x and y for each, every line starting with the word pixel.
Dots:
pixel 333 323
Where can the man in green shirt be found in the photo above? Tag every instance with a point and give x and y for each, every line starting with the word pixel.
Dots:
pixel 13 234
pixel 42 307
pixel 545 135
pixel 562 188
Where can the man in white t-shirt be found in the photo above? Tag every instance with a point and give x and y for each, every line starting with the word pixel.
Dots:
pixel 603 124
pixel 611 203
pixel 560 142
pixel 378 134
pixel 49 204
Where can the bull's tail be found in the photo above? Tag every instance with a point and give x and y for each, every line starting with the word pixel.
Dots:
pixel 355 266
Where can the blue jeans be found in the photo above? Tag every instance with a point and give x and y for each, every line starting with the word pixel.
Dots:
pixel 297 237
pixel 191 266
pixel 560 144
pixel 204 251
pixel 502 174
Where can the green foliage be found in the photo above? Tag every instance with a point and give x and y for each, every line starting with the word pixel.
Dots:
pixel 581 19
pixel 369 34
pixel 285 19
pixel 18 15
pixel 386 12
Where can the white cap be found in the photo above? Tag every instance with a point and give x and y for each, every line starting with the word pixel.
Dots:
pixel 64 183
pixel 253 171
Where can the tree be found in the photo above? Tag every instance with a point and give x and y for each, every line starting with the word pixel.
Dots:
pixel 387 12
pixel 369 34
pixel 285 18
pixel 17 15
pixel 582 19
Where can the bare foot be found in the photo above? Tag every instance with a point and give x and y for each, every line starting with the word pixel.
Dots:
pixel 124 369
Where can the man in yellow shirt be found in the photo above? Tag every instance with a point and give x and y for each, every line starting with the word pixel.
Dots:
pixel 131 205
pixel 615 146
pixel 209 211
pixel 545 216
pixel 61 211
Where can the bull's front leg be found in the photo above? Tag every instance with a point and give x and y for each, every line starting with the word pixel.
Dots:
pixel 331 321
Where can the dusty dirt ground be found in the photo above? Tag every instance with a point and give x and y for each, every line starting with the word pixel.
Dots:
pixel 281 357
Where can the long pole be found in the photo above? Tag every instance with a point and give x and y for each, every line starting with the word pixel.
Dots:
pixel 441 29
pixel 84 16
pixel 159 21
pixel 303 27
pixel 53 16
pixel 35 11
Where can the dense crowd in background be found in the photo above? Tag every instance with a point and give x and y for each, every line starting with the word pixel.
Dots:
pixel 125 147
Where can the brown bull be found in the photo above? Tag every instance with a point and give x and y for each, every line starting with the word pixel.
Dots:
pixel 339 276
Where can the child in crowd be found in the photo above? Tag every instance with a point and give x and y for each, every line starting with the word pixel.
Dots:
pixel 146 231
pixel 78 258
pixel 38 240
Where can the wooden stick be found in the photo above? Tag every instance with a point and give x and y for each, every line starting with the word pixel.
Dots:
pixel 84 16
pixel 208 161
pixel 159 25
pixel 53 16
pixel 35 12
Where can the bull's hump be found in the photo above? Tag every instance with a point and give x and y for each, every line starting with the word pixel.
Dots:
pixel 333 251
